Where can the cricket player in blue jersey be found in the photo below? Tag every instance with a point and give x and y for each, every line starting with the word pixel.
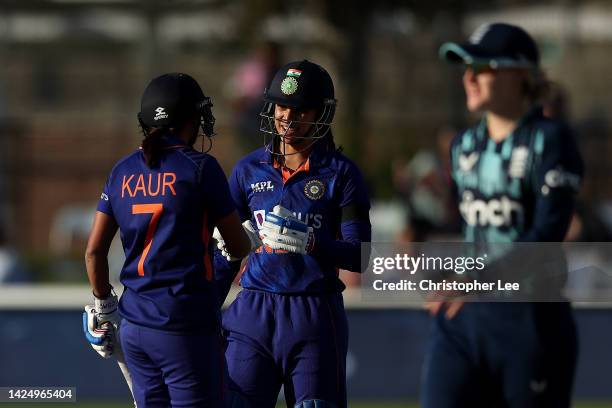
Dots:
pixel 165 199
pixel 287 327
pixel 516 174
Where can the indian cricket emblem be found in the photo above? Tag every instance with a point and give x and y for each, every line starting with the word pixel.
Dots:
pixel 314 189
pixel 289 85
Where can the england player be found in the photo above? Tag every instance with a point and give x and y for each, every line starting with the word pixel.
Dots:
pixel 165 199
pixel 517 355
pixel 288 326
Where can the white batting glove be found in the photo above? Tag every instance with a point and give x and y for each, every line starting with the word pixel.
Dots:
pixel 282 230
pixel 251 233
pixel 101 325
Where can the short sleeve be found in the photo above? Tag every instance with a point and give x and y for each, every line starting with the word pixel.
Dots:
pixel 238 195
pixel 354 190
pixel 104 204
pixel 216 191
pixel 354 199
pixel 557 172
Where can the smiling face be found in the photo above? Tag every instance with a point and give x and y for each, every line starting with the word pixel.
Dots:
pixel 293 124
pixel 493 90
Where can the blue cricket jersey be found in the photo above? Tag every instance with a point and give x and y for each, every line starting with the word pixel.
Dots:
pixel 520 189
pixel 166 216
pixel 329 194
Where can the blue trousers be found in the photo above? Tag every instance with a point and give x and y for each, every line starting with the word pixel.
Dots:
pixel 174 369
pixel 511 355
pixel 299 341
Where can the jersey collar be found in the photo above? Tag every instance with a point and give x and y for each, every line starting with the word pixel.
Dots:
pixel 288 173
pixel 535 112
pixel 170 141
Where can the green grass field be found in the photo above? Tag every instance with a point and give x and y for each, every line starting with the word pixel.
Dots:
pixel 352 405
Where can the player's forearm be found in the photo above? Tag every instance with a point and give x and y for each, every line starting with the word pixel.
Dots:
pixel 98 274
pixel 96 254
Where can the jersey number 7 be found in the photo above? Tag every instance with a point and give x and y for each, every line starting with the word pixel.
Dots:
pixel 156 210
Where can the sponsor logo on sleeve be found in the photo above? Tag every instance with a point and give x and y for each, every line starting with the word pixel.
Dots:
pixel 558 177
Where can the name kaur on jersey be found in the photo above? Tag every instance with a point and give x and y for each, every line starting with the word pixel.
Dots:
pixel 149 184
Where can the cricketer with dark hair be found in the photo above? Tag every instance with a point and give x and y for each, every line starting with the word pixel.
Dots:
pixel 287 327
pixel 165 198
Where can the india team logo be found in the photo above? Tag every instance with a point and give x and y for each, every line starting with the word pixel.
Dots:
pixel 289 85
pixel 314 189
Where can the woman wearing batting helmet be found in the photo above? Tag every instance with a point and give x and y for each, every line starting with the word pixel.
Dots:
pixel 287 327
pixel 515 353
pixel 165 198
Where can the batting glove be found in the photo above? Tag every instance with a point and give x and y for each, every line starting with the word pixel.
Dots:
pixel 282 230
pixel 251 233
pixel 101 325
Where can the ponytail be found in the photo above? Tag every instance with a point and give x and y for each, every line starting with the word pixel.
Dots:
pixel 152 146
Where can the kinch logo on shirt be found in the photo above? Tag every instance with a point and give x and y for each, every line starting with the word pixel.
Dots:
pixel 262 186
pixel 497 212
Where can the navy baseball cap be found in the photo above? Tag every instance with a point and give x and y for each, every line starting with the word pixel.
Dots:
pixel 497 45
pixel 170 99
pixel 301 84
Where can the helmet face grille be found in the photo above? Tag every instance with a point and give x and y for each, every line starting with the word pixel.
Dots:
pixel 318 129
pixel 207 120
pixel 298 85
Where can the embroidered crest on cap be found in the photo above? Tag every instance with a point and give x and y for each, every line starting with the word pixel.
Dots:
pixel 289 85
